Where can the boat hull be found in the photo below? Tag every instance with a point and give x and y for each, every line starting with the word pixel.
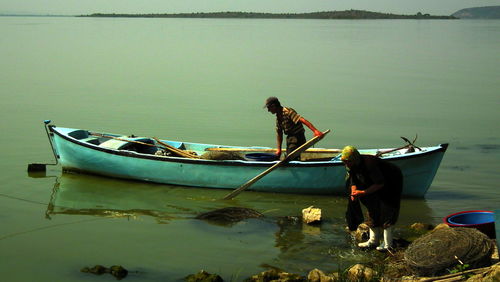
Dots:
pixel 312 177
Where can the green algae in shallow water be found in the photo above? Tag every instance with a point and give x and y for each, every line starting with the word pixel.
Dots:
pixel 229 215
pixel 203 276
pixel 117 271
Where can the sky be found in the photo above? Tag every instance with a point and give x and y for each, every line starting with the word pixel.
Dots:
pixel 84 7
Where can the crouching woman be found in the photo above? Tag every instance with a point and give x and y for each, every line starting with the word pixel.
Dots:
pixel 377 184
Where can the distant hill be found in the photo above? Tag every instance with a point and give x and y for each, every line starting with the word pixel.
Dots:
pixel 490 12
pixel 349 14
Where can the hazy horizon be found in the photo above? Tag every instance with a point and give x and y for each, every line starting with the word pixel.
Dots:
pixel 53 7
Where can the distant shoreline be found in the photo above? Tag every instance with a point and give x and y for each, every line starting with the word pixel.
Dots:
pixel 488 12
pixel 348 14
pixel 37 16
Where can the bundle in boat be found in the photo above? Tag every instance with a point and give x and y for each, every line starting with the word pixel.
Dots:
pixel 221 155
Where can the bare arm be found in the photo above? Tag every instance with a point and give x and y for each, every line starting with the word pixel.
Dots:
pixel 311 127
pixel 279 141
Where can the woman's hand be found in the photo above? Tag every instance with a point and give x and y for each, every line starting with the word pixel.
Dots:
pixel 355 193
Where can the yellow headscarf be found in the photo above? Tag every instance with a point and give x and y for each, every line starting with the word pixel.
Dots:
pixel 350 153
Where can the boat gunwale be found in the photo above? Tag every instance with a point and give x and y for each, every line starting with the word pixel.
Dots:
pixel 132 154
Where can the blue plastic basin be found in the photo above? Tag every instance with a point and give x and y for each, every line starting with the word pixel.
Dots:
pixel 497 228
pixel 483 221
pixel 261 157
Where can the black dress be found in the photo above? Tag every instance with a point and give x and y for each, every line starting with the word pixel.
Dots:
pixel 382 205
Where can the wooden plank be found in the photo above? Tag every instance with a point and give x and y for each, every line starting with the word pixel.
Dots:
pixel 310 150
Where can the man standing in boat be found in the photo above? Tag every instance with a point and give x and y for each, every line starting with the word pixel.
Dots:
pixel 378 185
pixel 290 123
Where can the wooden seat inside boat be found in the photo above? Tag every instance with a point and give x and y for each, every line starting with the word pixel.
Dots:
pixel 91 140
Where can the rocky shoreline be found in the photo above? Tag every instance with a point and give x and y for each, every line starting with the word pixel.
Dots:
pixel 394 267
pixel 449 254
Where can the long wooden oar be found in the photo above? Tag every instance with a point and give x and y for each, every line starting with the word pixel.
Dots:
pixel 289 157
pixel 174 150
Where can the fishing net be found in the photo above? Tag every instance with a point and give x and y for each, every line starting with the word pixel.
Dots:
pixel 445 248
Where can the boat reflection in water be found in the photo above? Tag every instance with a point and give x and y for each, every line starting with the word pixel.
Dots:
pixel 75 194
pixel 101 196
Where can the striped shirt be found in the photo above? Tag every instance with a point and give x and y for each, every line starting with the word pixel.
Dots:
pixel 289 122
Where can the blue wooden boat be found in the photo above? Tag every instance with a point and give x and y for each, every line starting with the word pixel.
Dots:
pixel 319 171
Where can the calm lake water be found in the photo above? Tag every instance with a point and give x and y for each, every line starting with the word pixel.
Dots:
pixel 202 80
